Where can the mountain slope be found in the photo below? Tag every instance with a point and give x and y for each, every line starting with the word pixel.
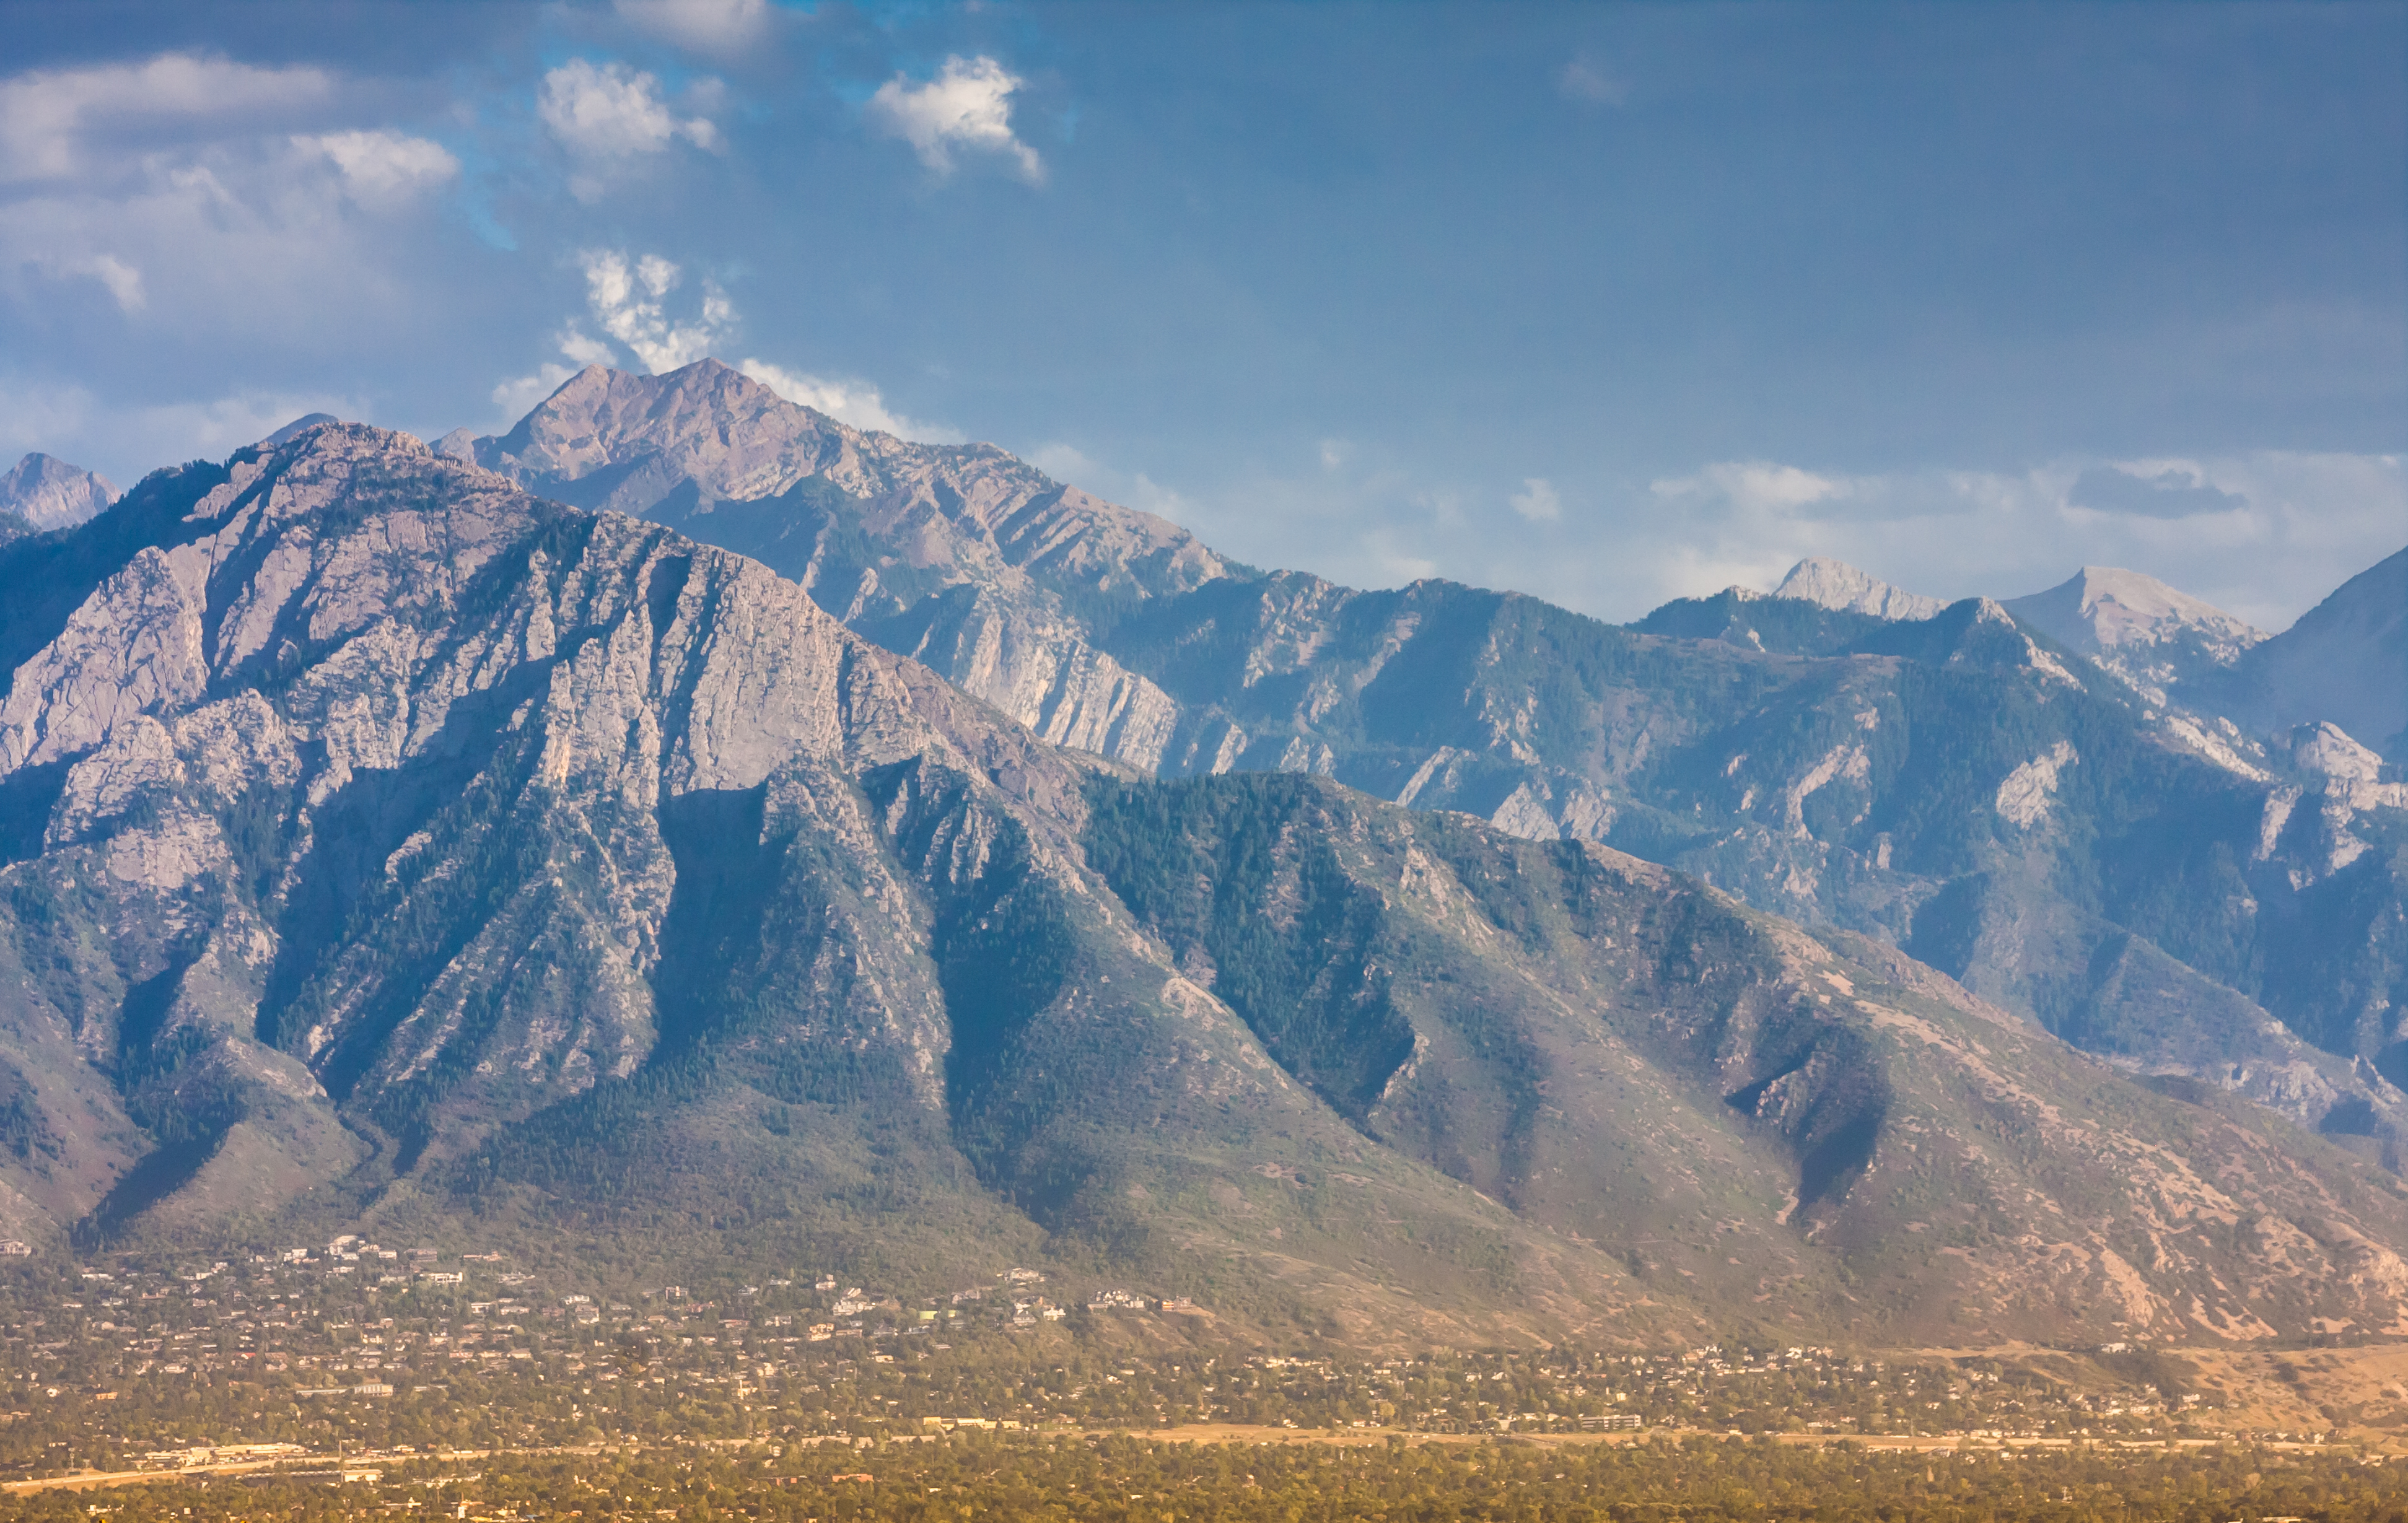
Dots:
pixel 387 845
pixel 2345 660
pixel 1773 1119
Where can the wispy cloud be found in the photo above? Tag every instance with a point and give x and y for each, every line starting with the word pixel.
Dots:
pixel 1537 501
pixel 967 105
pixel 383 169
pixel 855 402
pixel 204 195
pixel 609 117
pixel 626 299
pixel 1589 82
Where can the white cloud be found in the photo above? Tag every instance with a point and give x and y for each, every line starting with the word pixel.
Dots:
pixel 1538 501
pixel 210 198
pixel 967 104
pixel 854 402
pixel 609 116
pixel 383 169
pixel 626 300
pixel 1752 486
pixel 583 350
pixel 71 123
pixel 515 398
pixel 721 28
pixel 123 281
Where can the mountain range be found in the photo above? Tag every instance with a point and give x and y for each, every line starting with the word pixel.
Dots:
pixel 684 825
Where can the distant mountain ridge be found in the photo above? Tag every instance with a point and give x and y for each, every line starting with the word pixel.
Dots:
pixel 42 492
pixel 381 844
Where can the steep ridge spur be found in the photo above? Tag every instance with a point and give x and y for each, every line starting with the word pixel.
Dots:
pixel 386 842
pixel 2147 884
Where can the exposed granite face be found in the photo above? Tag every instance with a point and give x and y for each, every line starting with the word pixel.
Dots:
pixel 365 681
pixel 1837 585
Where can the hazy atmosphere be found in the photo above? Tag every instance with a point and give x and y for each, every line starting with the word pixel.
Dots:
pixel 1606 303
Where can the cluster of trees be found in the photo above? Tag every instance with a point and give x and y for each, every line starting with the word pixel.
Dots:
pixel 964 1478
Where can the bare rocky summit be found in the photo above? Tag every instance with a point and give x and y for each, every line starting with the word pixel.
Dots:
pixel 1834 583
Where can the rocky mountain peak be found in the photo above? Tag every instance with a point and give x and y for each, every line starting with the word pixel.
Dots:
pixel 45 492
pixel 2109 609
pixel 961 556
pixel 1837 585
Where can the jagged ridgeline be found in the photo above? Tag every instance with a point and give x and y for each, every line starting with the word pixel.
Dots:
pixel 387 845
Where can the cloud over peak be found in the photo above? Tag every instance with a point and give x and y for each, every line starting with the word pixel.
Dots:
pixel 626 300
pixel 967 105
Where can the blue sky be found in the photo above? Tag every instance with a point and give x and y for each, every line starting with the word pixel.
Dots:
pixel 1605 302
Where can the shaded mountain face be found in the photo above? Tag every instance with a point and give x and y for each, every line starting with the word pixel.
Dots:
pixel 2344 662
pixel 385 843
pixel 42 492
pixel 1951 784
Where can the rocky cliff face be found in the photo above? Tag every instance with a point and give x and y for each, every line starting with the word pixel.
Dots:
pixel 383 842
